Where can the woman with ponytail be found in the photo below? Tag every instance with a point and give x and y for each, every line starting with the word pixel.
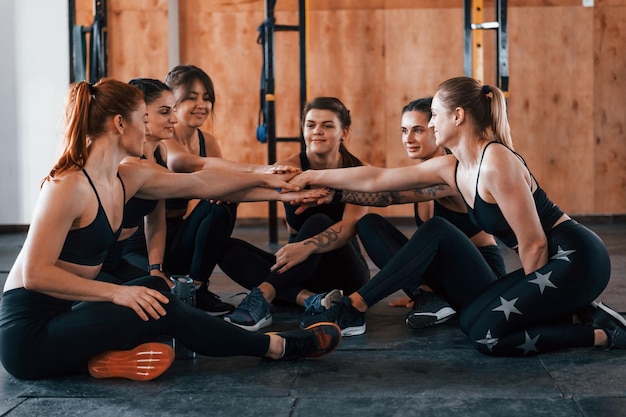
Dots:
pixel 55 319
pixel 565 266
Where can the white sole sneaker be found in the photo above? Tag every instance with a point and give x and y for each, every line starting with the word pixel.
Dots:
pixel 420 320
pixel 608 310
pixel 264 322
pixel 353 331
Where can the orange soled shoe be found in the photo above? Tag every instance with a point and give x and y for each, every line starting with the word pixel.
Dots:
pixel 316 340
pixel 143 363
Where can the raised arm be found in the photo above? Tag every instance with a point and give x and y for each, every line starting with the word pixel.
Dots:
pixel 179 160
pixel 372 179
pixel 148 182
pixel 387 198
pixel 269 194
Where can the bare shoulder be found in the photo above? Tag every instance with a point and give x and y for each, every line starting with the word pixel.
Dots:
pixel 134 175
pixel 68 193
pixel 212 146
pixel 500 161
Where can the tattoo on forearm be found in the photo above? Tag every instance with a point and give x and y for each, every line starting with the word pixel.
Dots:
pixel 324 239
pixel 387 198
pixel 431 192
pixel 368 199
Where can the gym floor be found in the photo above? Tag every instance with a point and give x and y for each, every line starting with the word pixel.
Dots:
pixel 390 371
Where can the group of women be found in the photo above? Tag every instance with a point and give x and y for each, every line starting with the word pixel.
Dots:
pixel 140 193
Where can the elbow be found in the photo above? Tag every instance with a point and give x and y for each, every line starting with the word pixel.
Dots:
pixel 541 245
pixel 32 277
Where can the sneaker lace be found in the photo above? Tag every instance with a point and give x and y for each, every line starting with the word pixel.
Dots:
pixel 254 302
pixel 312 305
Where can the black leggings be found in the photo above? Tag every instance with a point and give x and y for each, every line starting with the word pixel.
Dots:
pixel 195 244
pixel 382 241
pixel 344 268
pixel 517 314
pixel 43 336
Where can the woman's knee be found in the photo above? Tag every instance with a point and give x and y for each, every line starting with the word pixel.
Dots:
pixel 367 222
pixel 315 224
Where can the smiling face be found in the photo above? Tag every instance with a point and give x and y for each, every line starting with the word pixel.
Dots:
pixel 161 117
pixel 194 107
pixel 418 139
pixel 322 131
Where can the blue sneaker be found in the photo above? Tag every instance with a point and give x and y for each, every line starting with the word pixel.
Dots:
pixel 350 320
pixel 253 313
pixel 319 303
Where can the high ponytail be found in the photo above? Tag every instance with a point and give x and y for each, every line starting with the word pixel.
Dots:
pixel 485 105
pixel 87 110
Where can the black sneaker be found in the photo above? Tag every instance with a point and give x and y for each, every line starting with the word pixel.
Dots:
pixel 586 313
pixel 316 340
pixel 613 324
pixel 429 309
pixel 211 303
pixel 253 313
pixel 350 320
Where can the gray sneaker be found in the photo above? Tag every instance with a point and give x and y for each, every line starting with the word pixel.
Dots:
pixel 429 309
pixel 253 313
pixel 318 303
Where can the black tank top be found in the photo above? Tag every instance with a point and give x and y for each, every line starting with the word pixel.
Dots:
pixel 89 245
pixel 490 217
pixel 181 203
pixel 136 208
pixel 461 220
pixel 295 221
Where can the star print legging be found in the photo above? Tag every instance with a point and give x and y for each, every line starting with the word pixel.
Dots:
pixel 518 314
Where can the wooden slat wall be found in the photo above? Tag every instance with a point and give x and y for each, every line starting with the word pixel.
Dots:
pixel 567 78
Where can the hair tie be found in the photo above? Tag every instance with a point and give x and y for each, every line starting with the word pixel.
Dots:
pixel 92 89
pixel 486 89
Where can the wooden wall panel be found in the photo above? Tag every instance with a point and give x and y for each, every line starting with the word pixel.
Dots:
pixel 609 102
pixel 347 60
pixel 412 56
pixel 222 41
pixel 137 33
pixel 551 107
pixel 566 77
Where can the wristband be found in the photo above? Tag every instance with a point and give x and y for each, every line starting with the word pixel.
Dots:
pixel 337 197
pixel 156 267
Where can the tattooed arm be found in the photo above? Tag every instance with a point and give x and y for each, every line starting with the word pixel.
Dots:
pixel 330 239
pixel 387 198
pixel 380 199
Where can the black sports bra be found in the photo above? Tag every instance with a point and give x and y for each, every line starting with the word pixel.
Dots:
pixel 295 221
pixel 89 245
pixel 181 203
pixel 490 218
pixel 136 208
pixel 461 220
